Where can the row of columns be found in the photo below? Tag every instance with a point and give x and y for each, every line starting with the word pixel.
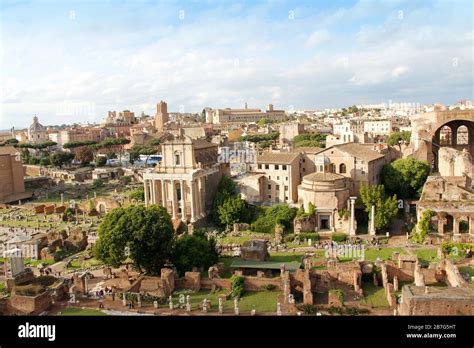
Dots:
pixel 456 220
pixel 196 197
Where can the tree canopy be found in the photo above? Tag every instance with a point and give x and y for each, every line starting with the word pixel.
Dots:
pixel 228 208
pixel 194 251
pixel 405 177
pixel 310 140
pixel 278 214
pixel 386 207
pixel 146 232
pixel 396 137
pixel 59 159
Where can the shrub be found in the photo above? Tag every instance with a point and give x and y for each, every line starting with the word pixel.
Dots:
pixel 138 194
pixel 237 288
pixel 338 237
pixel 308 308
pixel 423 227
pixel 100 161
pixel 126 179
pixel 97 183
pixel 269 287
pixel 277 214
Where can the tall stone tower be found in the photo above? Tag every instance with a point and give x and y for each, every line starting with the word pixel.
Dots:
pixel 161 116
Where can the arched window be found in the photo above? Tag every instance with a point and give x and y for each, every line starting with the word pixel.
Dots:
pixel 446 136
pixel 462 136
pixel 342 168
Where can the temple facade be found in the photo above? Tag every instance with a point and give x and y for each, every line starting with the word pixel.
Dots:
pixel 186 179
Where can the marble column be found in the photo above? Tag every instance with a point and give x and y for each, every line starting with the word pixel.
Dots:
pixel 153 191
pixel 471 225
pixel 183 203
pixel 455 225
pixel 193 200
pixel 174 198
pixel 202 195
pixel 372 221
pixel 163 194
pixel 145 183
pixel 198 199
pixel 352 231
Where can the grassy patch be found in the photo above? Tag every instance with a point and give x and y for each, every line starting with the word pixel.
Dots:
pixel 385 253
pixel 35 263
pixel 247 235
pixel 374 295
pixel 261 301
pixel 74 311
pixel 286 257
pixel 426 255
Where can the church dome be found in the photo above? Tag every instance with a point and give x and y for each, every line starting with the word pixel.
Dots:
pixel 36 126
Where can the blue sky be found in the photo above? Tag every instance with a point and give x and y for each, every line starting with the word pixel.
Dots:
pixel 71 61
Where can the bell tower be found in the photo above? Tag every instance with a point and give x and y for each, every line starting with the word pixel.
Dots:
pixel 161 116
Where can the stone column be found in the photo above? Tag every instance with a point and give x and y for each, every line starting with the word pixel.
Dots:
pixel 372 221
pixel 440 224
pixel 202 195
pixel 173 198
pixel 163 194
pixel 153 191
pixel 198 199
pixel 145 183
pixel 352 231
pixel 471 225
pixel 455 225
pixel 193 201
pixel 183 203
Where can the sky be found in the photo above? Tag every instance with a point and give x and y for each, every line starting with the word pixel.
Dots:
pixel 72 61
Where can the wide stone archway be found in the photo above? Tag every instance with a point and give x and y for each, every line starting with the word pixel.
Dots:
pixel 442 128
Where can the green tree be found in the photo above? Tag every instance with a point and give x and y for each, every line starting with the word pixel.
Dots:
pixel 61 158
pixel 74 144
pixel 405 177
pixel 138 194
pixel 146 232
pixel 423 227
pixel 232 210
pixel 396 137
pixel 111 155
pixel 310 140
pixel 138 150
pixel 277 214
pixel 100 161
pixel 194 251
pixel 45 161
pixel 386 207
pixel 84 155
pixel 225 190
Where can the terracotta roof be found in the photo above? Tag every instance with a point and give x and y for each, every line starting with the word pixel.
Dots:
pixel 364 152
pixel 277 157
pixel 202 144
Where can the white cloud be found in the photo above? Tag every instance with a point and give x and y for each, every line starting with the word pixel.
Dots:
pixel 231 59
pixel 318 37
